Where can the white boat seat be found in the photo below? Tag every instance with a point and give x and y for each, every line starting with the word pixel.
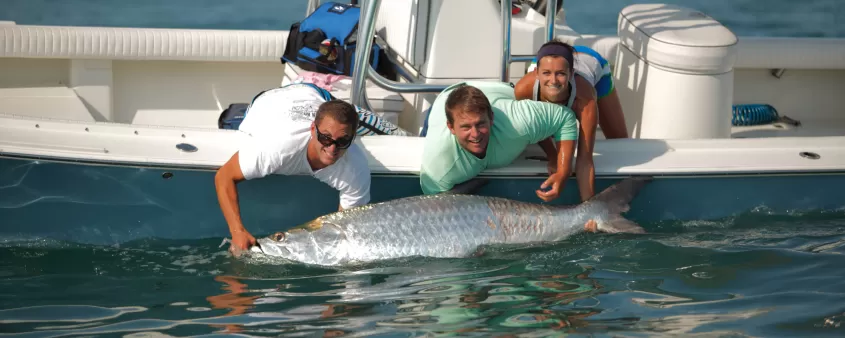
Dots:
pixel 385 103
pixel 44 102
pixel 193 118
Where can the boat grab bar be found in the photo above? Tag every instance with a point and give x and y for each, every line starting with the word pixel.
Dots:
pixel 506 57
pixel 363 70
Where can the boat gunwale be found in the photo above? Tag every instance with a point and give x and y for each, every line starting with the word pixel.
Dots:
pixel 378 149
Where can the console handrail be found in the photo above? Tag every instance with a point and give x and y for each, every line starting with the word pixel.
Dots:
pixel 363 70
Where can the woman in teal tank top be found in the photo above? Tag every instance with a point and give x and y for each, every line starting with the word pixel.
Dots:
pixel 589 65
pixel 580 79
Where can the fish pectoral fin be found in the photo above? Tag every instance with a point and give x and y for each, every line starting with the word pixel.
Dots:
pixel 620 225
pixel 469 187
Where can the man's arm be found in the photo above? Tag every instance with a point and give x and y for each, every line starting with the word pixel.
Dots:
pixel 539 120
pixel 227 196
pixel 430 185
pixel 436 161
pixel 565 124
pixel 548 147
pixel 558 180
pixel 256 159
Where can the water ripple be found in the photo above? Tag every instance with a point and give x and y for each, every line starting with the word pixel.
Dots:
pixel 64 313
pixel 750 275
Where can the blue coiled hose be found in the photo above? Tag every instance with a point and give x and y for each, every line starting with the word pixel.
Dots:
pixel 753 114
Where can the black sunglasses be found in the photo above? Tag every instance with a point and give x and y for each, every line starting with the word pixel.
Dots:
pixel 327 140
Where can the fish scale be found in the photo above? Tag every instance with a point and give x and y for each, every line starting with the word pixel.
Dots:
pixel 445 225
pixel 448 223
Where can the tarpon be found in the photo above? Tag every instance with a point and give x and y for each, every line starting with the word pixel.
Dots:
pixel 446 226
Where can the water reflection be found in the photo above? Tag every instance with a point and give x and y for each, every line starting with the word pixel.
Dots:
pixel 233 300
pixel 435 299
pixel 239 302
pixel 765 278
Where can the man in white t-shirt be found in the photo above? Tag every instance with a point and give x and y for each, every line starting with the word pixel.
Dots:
pixel 295 130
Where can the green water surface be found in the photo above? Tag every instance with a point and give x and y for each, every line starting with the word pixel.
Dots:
pixel 755 274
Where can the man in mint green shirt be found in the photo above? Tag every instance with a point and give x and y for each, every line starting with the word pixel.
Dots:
pixel 476 125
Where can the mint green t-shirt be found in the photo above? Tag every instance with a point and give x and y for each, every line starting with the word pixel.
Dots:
pixel 516 124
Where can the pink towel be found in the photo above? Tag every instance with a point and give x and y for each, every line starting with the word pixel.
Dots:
pixel 324 81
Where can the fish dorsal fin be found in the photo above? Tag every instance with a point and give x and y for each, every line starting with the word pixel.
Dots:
pixel 469 187
pixel 617 196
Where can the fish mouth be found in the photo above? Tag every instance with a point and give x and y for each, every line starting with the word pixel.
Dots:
pixel 256 248
pixel 268 247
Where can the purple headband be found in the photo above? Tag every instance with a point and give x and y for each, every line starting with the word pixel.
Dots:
pixel 555 50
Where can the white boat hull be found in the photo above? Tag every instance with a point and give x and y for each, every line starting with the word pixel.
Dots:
pixel 122 105
pixel 104 204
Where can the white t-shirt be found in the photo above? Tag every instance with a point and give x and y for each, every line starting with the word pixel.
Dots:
pixel 277 129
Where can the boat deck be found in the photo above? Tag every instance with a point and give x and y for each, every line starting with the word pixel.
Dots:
pixel 807 128
pixel 124 144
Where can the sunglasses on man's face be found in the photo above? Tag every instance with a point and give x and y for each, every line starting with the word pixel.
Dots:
pixel 326 140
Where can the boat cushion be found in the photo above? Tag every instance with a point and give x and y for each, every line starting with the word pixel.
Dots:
pixel 118 43
pixel 677 38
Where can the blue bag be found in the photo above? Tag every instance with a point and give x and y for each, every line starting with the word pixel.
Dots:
pixel 325 41
pixel 232 117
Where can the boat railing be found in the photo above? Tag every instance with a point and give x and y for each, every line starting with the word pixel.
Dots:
pixel 363 70
pixel 507 58
pixel 311 6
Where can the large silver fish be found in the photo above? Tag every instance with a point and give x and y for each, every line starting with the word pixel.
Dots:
pixel 445 225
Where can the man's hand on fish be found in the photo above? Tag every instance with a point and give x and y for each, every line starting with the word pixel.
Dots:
pixel 242 240
pixel 591 226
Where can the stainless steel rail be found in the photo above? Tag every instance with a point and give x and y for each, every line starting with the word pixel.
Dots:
pixel 366 28
pixel 363 70
pixel 551 11
pixel 506 57
pixel 506 40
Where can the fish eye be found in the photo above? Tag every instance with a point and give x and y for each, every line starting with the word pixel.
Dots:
pixel 278 237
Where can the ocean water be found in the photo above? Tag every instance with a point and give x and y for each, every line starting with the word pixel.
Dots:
pixel 756 274
pixel 791 18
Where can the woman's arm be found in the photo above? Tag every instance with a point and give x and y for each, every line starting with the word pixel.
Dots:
pixel 523 89
pixel 587 111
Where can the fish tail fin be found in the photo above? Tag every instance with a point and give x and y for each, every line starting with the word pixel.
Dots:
pixel 617 198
